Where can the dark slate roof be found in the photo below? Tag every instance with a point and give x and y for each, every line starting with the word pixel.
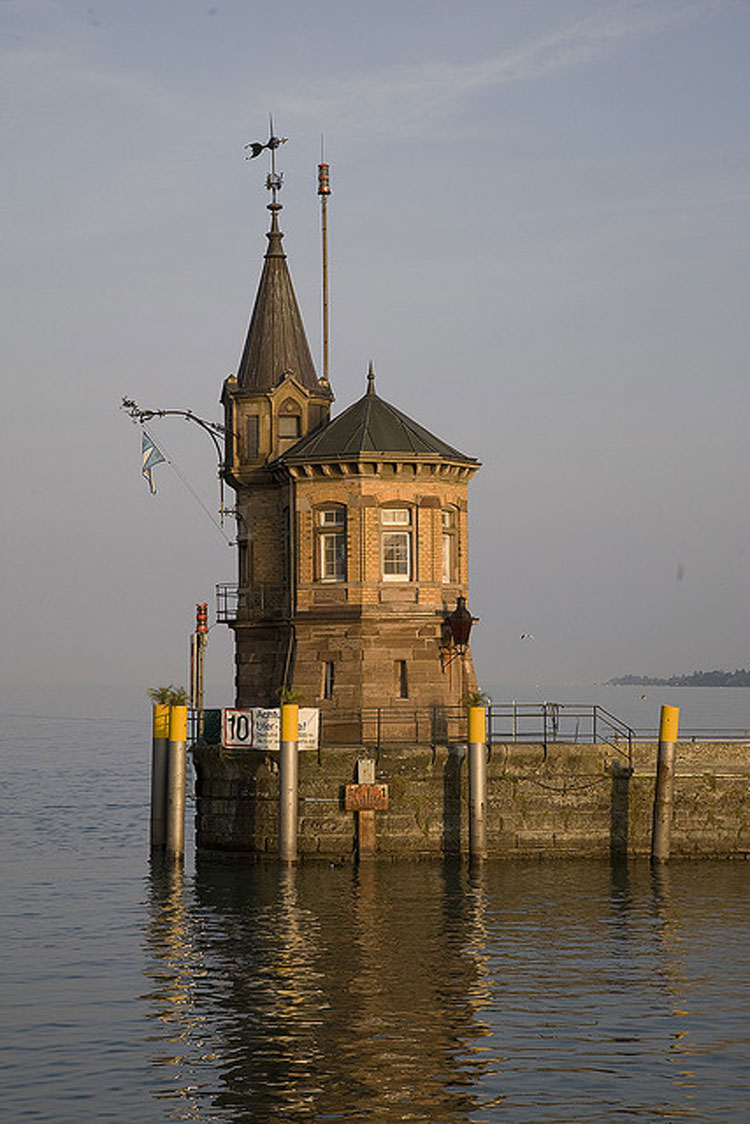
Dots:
pixel 371 425
pixel 276 343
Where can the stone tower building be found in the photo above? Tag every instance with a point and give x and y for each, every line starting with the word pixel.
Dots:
pixel 352 531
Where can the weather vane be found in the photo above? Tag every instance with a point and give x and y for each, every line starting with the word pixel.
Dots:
pixel 273 179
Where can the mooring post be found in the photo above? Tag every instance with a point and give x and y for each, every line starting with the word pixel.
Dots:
pixel 662 824
pixel 288 782
pixel 159 777
pixel 176 764
pixel 477 782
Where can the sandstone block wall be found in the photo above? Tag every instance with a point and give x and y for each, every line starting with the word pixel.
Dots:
pixel 561 800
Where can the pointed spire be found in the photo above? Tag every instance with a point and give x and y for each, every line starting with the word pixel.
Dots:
pixel 371 379
pixel 276 343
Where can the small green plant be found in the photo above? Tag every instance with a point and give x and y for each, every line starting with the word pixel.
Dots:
pixel 168 696
pixel 476 698
pixel 290 695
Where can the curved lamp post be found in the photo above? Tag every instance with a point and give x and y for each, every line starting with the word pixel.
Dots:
pixel 213 429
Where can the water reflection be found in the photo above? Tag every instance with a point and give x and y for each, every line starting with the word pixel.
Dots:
pixel 174 969
pixel 433 992
pixel 347 1000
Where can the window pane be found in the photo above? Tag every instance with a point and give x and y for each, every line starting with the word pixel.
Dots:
pixel 289 426
pixel 332 516
pixel 447 558
pixel 400 516
pixel 333 556
pixel 396 555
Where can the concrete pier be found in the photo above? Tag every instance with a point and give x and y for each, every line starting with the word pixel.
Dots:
pixel 560 800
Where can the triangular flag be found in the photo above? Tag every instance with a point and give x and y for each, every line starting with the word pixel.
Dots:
pixel 151 455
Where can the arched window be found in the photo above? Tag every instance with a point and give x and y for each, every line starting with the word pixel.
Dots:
pixel 330 543
pixel 396 543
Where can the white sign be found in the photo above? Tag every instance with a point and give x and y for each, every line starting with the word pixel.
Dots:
pixel 259 728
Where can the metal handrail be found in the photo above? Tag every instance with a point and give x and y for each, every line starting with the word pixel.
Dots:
pixel 227 601
pixel 378 726
pixel 261 599
pixel 559 722
pixel 697 734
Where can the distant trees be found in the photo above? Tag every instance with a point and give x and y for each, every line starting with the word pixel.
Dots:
pixel 738 678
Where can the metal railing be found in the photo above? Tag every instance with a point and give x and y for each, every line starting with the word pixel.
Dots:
pixel 227 601
pixel 508 723
pixel 697 734
pixel 379 726
pixel 262 599
pixel 559 722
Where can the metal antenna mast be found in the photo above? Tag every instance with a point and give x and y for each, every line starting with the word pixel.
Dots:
pixel 324 190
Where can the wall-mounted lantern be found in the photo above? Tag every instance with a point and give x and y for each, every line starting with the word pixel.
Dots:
pixel 454 637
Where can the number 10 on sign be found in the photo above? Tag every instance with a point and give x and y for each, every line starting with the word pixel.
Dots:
pixel 238 728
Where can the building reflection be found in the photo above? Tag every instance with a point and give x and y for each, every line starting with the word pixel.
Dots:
pixel 436 992
pixel 329 994
pixel 173 968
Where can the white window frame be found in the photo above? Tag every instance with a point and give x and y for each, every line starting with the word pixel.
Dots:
pixel 449 548
pixel 396 516
pixel 332 545
pixel 332 556
pixel 448 562
pixel 396 542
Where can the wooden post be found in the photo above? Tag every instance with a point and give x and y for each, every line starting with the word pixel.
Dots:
pixel 477 782
pixel 176 761
pixel 662 823
pixel 365 818
pixel 159 777
pixel 288 782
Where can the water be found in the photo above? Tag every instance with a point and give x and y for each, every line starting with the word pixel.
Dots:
pixel 522 992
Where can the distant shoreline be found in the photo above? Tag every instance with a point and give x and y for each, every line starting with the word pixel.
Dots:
pixel 738 678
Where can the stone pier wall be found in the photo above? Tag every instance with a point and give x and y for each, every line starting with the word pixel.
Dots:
pixel 559 800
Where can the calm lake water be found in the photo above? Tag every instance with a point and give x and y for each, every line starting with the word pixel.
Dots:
pixel 523 992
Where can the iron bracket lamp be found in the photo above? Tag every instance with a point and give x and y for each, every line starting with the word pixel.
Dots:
pixel 454 636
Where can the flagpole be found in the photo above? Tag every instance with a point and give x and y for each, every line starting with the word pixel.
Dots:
pixel 324 190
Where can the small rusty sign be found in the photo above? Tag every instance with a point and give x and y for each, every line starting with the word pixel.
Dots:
pixel 366 797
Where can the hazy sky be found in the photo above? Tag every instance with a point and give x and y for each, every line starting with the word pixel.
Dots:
pixel 538 233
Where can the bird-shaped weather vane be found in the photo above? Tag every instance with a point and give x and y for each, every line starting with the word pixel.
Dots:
pixel 274 178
